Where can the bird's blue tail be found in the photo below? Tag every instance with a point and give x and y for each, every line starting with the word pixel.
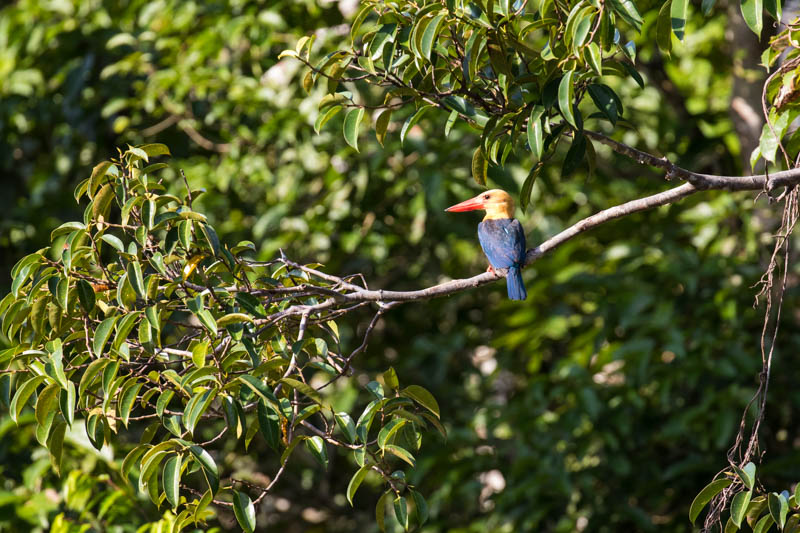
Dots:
pixel 516 289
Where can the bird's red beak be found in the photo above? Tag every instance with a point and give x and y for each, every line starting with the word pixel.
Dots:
pixel 467 205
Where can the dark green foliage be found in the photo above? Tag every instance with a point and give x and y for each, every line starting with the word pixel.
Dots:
pixel 607 401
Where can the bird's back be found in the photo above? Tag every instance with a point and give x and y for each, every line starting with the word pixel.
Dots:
pixel 503 242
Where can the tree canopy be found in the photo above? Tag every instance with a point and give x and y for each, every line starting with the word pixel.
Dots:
pixel 224 300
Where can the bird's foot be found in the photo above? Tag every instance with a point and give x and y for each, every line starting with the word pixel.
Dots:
pixel 490 268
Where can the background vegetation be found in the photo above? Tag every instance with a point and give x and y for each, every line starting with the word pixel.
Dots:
pixel 604 402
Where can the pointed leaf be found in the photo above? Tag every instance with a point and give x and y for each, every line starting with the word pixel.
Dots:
pixel 535 131
pixel 566 97
pixel 753 13
pixel 705 496
pixel 352 120
pixel 171 480
pixel 102 334
pixel 480 167
pixel 423 397
pixel 739 506
pixel 245 511
pixel 382 124
pixel 778 508
pixel 355 481
pixel 411 122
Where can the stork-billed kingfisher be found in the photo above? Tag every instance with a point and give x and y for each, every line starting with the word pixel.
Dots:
pixel 501 236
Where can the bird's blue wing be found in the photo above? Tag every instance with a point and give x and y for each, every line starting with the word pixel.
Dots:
pixel 503 242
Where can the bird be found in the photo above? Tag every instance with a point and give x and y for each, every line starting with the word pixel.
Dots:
pixel 501 236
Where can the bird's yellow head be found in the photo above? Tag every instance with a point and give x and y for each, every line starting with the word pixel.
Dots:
pixel 497 203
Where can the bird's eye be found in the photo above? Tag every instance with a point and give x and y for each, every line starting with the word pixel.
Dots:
pixel 486 196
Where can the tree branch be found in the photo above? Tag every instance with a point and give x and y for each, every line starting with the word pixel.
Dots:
pixel 768 182
pixel 696 182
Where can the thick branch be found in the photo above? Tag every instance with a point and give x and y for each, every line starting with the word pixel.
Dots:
pixel 768 182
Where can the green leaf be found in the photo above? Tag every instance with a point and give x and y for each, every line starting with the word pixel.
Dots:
pixel 575 155
pixel 154 149
pixel 796 487
pixel 304 389
pixel 535 133
pixel 245 511
pixel 317 448
pixel 85 295
pixel 389 430
pixel 55 445
pixel 134 271
pixel 206 462
pixel 606 101
pixel 678 9
pixel 527 186
pixel 91 372
pixel 411 121
pixel 480 167
pixel 345 422
pixel 356 480
pixel 774 8
pixel 566 97
pixel 739 506
pixel 323 118
pixel 21 396
pixel 402 453
pixel 380 511
pixel 102 202
pixel 753 13
pixel 196 406
pixel 171 479
pixel 594 56
pixel 101 335
pixel 352 120
pixel 664 28
pixel 390 378
pixel 429 36
pixel 113 241
pixel 382 124
pixel 421 506
pixel 124 328
pixel 747 474
pixel 401 511
pixel 778 508
pixel 207 319
pixel 627 10
pixel 67 401
pixel 705 496
pixel 764 524
pixel 269 423
pixel 423 397
pixel 127 399
pixel 211 237
pixel 62 294
pixel 67 227
pixel 259 387
pixel 46 402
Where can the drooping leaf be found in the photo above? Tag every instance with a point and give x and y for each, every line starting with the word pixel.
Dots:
pixel 480 167
pixel 352 121
pixel 705 496
pixel 421 395
pixel 739 506
pixel 355 481
pixel 245 511
pixel 778 508
pixel 412 121
pixel 171 479
pixel 753 13
pixel 566 97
